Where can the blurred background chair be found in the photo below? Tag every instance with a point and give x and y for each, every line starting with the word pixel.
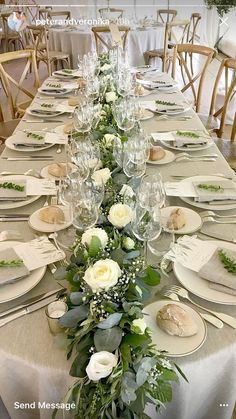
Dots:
pixel 11 39
pixel 7 127
pixel 166 15
pixel 191 81
pixel 59 15
pixel 101 37
pixel 111 13
pixel 175 32
pixel 14 87
pixel 43 12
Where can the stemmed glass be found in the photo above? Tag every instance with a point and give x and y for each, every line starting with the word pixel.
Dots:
pixel 85 212
pixel 163 243
pixel 83 117
pixel 92 89
pixel 124 114
pixel 146 225
pixel 151 191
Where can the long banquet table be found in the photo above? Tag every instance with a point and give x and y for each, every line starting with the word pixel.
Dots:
pixel 79 41
pixel 33 368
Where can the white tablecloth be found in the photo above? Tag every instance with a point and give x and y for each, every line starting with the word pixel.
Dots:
pixel 33 368
pixel 79 42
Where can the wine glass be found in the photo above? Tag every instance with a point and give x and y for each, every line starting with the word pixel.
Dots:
pixel 163 243
pixel 92 87
pixel 85 212
pixel 123 112
pixel 151 191
pixel 82 117
pixel 145 225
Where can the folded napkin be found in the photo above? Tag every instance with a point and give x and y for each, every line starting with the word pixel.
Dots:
pixel 65 108
pixel 188 141
pixel 215 272
pixel 155 83
pixel 222 288
pixel 28 138
pixel 10 274
pixel 172 107
pixel 8 189
pixel 215 190
pixel 59 86
pixel 69 73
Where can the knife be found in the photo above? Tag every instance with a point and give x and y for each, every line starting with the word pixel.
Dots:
pixel 9 219
pixel 218 236
pixel 31 301
pixel 29 158
pixel 27 310
pixel 41 121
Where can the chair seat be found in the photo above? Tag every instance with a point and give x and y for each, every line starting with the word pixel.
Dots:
pixel 158 52
pixel 210 122
pixel 58 54
pixel 228 149
pixel 7 128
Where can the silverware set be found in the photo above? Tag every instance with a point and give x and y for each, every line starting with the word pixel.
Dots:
pixel 204 157
pixel 183 293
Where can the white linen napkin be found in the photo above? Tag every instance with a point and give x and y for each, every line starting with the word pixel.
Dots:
pixel 7 194
pixel 178 141
pixel 10 274
pixel 227 190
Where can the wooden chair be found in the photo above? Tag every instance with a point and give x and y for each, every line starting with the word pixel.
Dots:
pixel 192 32
pixel 59 15
pixel 43 12
pixel 180 52
pixel 39 41
pixel 111 13
pixel 9 38
pixel 166 15
pixel 227 147
pixel 170 39
pixel 7 127
pixel 18 109
pixel 102 41
pixel 227 65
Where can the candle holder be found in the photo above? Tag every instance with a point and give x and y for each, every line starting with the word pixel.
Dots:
pixel 54 312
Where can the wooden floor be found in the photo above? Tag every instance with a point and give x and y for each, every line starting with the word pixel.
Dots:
pixel 227 148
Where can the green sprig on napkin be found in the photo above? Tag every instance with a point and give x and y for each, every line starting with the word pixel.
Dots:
pixel 34 135
pixel 229 264
pixel 67 71
pixel 212 188
pixel 46 105
pixel 11 263
pixel 58 85
pixel 162 102
pixel 187 134
pixel 14 186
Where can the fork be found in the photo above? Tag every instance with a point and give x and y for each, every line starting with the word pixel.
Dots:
pixel 208 317
pixel 212 220
pixel 231 321
pixel 204 214
pixel 182 158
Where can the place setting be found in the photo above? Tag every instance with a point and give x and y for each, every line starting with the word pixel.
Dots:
pixel 182 140
pixel 54 88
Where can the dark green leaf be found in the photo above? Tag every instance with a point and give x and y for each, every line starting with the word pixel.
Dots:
pixel 152 277
pixel 181 372
pixel 60 273
pixel 108 340
pixel 135 340
pixel 74 316
pixel 79 365
pixel 118 256
pixel 85 343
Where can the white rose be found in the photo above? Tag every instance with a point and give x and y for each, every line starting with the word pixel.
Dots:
pixel 101 176
pixel 120 215
pixel 127 191
pixel 98 232
pixel 111 97
pixel 103 274
pixel 109 138
pixel 138 326
pixel 105 67
pixel 128 243
pixel 101 365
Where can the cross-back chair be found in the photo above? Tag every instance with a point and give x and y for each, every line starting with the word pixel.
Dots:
pixel 43 12
pixel 181 52
pixel 7 127
pixel 227 147
pixel 170 39
pixel 8 81
pixel 111 13
pixel 166 15
pixel 101 39
pixel 192 32
pixel 10 38
pixel 60 14
pixel 228 65
pixel 39 41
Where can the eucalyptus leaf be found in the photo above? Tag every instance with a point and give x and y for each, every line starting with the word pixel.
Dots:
pixel 76 298
pixel 111 321
pixel 118 255
pixel 128 387
pixel 60 273
pixel 79 365
pixel 132 255
pixel 108 339
pixel 74 316
pixel 120 179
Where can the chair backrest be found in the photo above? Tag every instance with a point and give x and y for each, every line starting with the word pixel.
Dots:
pixel 43 12
pixel 228 65
pixel 175 33
pixel 111 13
pixel 166 15
pixel 233 132
pixel 101 39
pixel 60 14
pixel 181 53
pixel 40 44
pixel 192 29
pixel 9 81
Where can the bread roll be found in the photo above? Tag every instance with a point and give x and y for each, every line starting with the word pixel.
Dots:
pixel 175 321
pixel 59 169
pixel 139 90
pixel 73 101
pixel 68 128
pixel 157 153
pixel 177 219
pixel 52 215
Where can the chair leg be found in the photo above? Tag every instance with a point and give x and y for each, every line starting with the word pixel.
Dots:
pixel 233 133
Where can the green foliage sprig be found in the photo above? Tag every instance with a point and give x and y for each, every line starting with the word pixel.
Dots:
pixel 229 264
pixel 34 135
pixel 47 105
pixel 162 102
pixel 57 85
pixel 11 263
pixel 14 186
pixel 188 134
pixel 211 188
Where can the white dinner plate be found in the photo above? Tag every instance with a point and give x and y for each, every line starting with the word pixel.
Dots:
pixel 44 227
pixel 199 286
pixel 146 115
pixel 176 346
pixel 52 114
pixel 188 149
pixel 10 144
pixel 168 158
pixel 204 205
pixel 193 219
pixel 44 172
pixel 17 204
pixel 50 92
pixel 60 74
pixel 145 93
pixel 169 112
pixel 11 291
